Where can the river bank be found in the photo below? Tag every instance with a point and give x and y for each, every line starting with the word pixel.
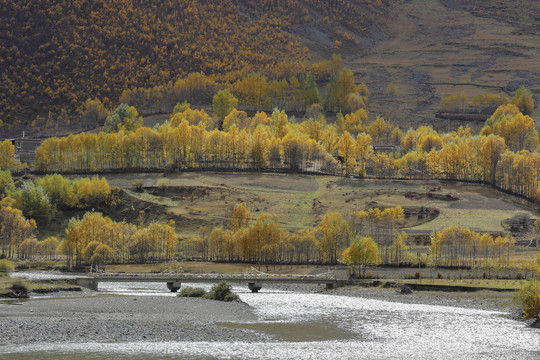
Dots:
pixel 479 300
pixel 105 318
pixel 95 317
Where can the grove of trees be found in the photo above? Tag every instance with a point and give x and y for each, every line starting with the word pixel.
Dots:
pixel 504 154
pixel 96 239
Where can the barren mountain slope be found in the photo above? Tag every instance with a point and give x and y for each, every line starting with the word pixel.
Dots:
pixel 439 48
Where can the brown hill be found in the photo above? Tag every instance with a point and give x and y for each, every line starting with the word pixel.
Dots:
pixel 435 49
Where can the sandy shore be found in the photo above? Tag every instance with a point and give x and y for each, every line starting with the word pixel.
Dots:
pixel 122 318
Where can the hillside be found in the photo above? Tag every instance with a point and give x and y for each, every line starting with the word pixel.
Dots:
pixel 436 49
pixel 56 54
pixel 195 200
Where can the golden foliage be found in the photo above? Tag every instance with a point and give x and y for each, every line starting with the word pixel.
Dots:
pixel 54 55
pixel 529 299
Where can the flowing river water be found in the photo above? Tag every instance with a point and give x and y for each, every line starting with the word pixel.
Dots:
pixel 322 326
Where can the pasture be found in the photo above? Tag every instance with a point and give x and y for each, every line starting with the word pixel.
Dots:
pixel 205 199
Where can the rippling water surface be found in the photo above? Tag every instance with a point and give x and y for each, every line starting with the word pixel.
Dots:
pixel 325 326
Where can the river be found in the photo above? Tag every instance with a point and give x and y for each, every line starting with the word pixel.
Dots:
pixel 323 326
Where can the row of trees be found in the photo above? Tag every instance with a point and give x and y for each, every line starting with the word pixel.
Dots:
pixel 255 91
pixel 462 247
pixel 263 239
pixel 359 238
pixel 504 154
pixel 93 239
pixel 96 239
pixel 486 103
pixel 188 146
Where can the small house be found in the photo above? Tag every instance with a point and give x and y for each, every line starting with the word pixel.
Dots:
pixel 25 149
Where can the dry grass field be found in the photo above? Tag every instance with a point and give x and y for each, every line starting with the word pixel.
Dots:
pixel 195 199
pixel 433 49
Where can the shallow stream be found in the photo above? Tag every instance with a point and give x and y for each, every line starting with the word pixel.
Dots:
pixel 323 326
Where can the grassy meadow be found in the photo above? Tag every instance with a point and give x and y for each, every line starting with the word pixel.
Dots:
pixel 203 199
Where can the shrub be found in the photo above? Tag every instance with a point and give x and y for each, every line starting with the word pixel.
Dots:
pixel 62 268
pixel 529 299
pixel 138 185
pixel 19 289
pixel 192 292
pixel 162 185
pixel 392 89
pixel 221 292
pixel 6 266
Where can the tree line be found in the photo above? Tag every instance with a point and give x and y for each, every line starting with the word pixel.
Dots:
pixel 264 240
pixel 256 91
pixel 504 154
pixel 487 103
pixel 92 239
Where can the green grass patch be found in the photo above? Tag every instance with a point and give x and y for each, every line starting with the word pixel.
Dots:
pixel 192 292
pixel 36 286
pixel 6 266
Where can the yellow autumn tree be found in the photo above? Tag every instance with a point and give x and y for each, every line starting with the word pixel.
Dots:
pixel 334 235
pixel 363 251
pixel 7 161
pixel 240 217
pixel 347 151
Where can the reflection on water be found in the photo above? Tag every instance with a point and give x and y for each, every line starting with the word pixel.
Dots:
pixel 323 326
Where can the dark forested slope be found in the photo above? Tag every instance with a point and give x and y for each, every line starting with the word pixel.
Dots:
pixel 55 54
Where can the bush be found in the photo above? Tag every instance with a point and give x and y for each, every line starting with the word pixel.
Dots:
pixel 138 185
pixel 528 298
pixel 6 266
pixel 162 185
pixel 192 292
pixel 221 292
pixel 19 289
pixel 62 268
